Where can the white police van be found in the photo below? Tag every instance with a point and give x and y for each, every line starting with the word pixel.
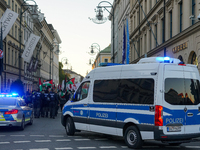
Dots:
pixel 156 99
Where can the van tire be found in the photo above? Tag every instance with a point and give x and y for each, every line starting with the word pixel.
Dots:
pixel 70 128
pixel 132 137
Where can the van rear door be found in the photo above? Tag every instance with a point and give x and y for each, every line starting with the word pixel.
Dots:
pixel 192 100
pixel 173 103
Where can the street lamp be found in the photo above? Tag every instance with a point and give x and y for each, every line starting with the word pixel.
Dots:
pixel 91 61
pixel 34 8
pixel 99 17
pixel 94 47
pixel 64 61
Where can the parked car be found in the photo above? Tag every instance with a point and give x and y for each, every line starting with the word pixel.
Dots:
pixel 14 111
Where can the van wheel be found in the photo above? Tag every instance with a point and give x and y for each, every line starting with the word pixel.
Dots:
pixel 132 137
pixel 70 128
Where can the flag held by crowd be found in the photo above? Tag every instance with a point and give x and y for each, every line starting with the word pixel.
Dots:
pixel 71 81
pixel 40 84
pixel 48 83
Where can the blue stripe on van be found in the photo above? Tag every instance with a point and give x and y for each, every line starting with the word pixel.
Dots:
pixel 180 116
pixel 139 113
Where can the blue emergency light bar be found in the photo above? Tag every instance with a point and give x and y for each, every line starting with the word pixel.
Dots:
pixel 9 95
pixel 163 59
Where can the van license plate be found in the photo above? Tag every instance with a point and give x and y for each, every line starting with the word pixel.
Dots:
pixel 174 129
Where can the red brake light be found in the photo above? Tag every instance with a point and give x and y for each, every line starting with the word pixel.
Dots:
pixel 14 111
pixel 158 115
pixel 182 64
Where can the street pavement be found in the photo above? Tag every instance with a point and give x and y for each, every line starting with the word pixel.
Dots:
pixel 49 134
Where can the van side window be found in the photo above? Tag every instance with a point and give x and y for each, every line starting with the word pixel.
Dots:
pixel 82 91
pixel 182 91
pixel 135 91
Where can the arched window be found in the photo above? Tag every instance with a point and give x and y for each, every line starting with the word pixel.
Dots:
pixel 180 58
pixel 193 59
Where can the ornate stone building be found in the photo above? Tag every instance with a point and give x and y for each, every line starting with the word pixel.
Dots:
pixel 158 28
pixel 44 53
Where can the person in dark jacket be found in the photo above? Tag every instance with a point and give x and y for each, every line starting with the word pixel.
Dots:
pixel 37 99
pixel 53 102
pixel 46 99
pixel 62 100
pixel 67 95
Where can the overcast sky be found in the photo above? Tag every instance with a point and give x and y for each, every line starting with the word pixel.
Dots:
pixel 77 32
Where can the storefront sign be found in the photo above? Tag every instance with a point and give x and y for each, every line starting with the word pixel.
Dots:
pixel 180 47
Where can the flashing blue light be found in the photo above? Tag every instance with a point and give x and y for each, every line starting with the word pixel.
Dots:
pixel 8 95
pixel 166 58
pixel 163 59
pixel 14 94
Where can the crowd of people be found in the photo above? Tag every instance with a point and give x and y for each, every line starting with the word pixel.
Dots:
pixel 46 103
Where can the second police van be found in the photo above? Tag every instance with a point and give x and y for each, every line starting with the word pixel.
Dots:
pixel 156 99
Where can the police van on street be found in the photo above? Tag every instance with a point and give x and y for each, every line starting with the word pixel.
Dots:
pixel 156 99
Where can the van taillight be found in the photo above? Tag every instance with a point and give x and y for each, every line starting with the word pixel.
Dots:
pixel 14 111
pixel 158 115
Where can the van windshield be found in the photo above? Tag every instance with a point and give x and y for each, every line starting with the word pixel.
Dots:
pixel 182 91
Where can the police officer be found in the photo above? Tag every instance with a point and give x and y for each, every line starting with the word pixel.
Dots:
pixel 37 103
pixel 33 99
pixel 53 102
pixel 46 102
pixel 42 109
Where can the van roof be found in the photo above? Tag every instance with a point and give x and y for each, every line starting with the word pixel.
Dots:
pixel 159 60
pixel 147 64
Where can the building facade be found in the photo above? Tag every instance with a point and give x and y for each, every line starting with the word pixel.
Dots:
pixel 159 28
pixel 78 77
pixel 15 67
pixel 104 56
